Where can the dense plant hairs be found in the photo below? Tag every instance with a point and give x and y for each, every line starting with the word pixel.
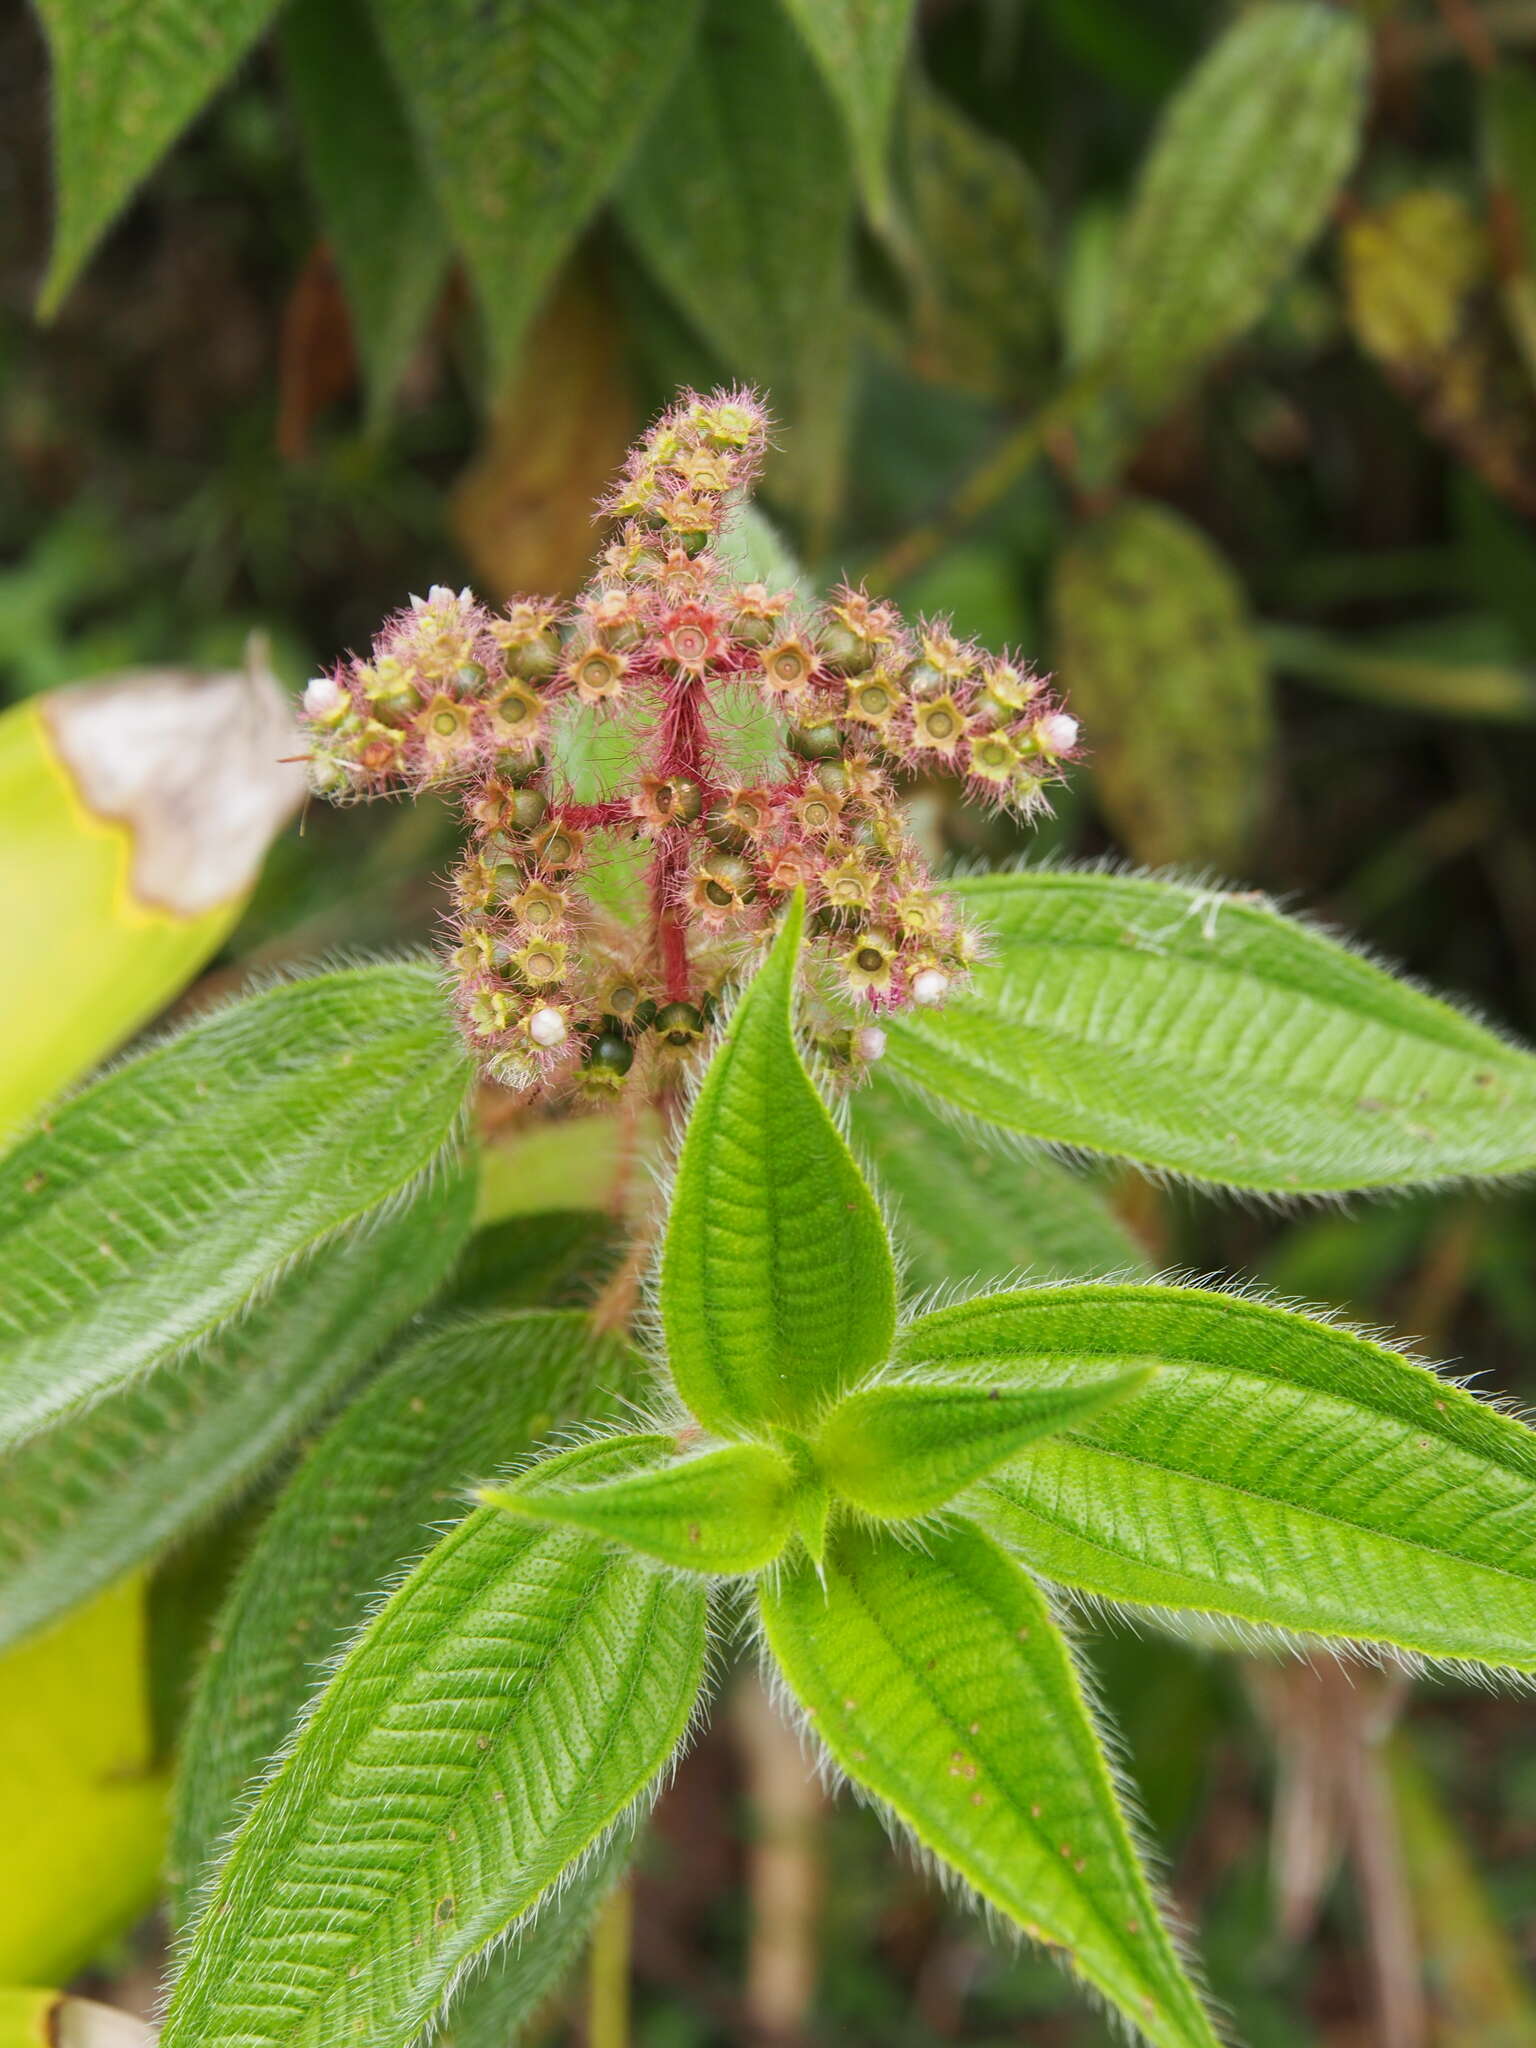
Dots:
pixel 550 990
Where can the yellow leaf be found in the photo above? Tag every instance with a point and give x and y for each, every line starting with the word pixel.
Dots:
pixel 134 815
pixel 82 1805
pixel 1423 300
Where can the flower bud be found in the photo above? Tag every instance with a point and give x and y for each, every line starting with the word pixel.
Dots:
pixel 547 1027
pixel 815 742
pixel 1055 734
pixel 679 1026
pixel 930 986
pixel 325 701
pixel 844 651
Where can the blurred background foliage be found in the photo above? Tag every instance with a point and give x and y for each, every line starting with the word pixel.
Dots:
pixel 1190 348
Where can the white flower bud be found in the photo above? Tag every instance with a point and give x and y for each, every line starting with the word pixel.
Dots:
pixel 322 696
pixel 930 987
pixel 869 1042
pixel 1058 732
pixel 546 1027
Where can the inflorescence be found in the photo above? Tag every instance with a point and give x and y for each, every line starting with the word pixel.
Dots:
pixel 552 989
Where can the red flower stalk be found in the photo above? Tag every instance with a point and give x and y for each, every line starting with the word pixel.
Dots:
pixel 551 989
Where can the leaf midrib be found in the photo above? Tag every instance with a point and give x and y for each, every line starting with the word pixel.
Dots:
pixel 942 1711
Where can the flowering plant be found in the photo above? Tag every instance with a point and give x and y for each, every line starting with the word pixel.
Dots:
pixel 551 990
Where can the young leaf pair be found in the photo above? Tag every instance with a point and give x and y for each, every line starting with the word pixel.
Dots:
pixel 778 1299
pixel 498 1724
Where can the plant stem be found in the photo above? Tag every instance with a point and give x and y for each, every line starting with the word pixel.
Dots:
pixel 986 485
pixel 784 1876
pixel 608 1971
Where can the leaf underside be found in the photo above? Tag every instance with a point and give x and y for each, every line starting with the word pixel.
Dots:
pixel 126 80
pixel 968 1204
pixel 525 111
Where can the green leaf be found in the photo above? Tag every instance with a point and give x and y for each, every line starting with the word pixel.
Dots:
pixel 939 1682
pixel 967 1206
pixel 1278 1470
pixel 860 48
pixel 741 202
pixel 1205 1034
pixel 557 1259
pixel 390 241
pixel 507 1993
pixel 99 1493
pixel 1238 182
pixel 526 113
pixel 777 1288
pixel 126 81
pixel 907 1448
pixel 509 1703
pixel 984 316
pixel 1158 657
pixel 724 1510
pixel 159 1204
pixel 458 1401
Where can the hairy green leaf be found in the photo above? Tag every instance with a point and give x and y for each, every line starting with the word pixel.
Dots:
pixel 98 1493
pixel 1157 655
pixel 1206 1034
pixel 860 48
pixel 967 1206
pixel 504 1708
pixel 983 316
pixel 126 80
pixel 1277 1470
pixel 1239 180
pixel 906 1448
pixel 724 1510
pixel 939 1682
pixel 526 112
pixel 557 1258
pixel 390 241
pixel 742 204
pixel 492 2008
pixel 160 1204
pixel 459 1400
pixel 777 1288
